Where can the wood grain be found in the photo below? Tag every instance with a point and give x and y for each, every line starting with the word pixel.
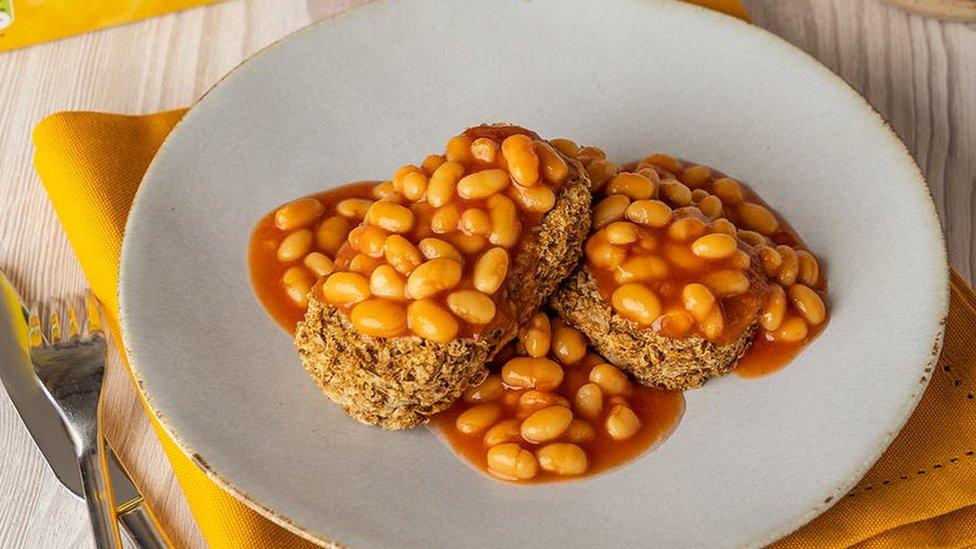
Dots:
pixel 918 73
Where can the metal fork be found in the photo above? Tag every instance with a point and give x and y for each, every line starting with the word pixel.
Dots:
pixel 70 362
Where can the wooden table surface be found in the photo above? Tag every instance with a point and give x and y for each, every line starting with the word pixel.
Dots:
pixel 919 73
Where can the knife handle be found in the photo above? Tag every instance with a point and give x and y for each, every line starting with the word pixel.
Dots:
pixel 142 526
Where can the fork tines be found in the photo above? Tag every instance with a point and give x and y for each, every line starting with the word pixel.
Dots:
pixel 74 330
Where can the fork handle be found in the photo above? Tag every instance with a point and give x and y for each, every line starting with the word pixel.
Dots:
pixel 98 496
pixel 143 526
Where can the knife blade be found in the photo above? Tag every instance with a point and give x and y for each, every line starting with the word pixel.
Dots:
pixel 45 426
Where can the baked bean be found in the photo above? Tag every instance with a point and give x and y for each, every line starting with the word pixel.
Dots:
pixel 774 309
pixel 482 184
pixel 631 185
pixel 412 185
pixel 771 259
pixel 331 234
pixel 510 461
pixel 713 324
pixel 391 217
pixel 665 161
pixel 538 199
pixel 368 239
pixel 728 190
pixel 506 430
pixel 430 321
pixel 610 209
pixel 546 424
pixel 752 238
pixel 808 303
pixel 478 418
pixel 458 149
pixel 554 168
pixel 295 246
pixel 532 373
pixel 676 192
pixel 444 180
pixel 484 150
pixel 566 146
pixel 682 257
pixel 711 206
pixel 353 208
pixel 589 401
pixel 589 154
pixel 790 268
pixel 434 248
pixel 469 244
pixel 433 277
pixel 726 283
pixel 345 288
pixel 490 270
pixel 675 324
pixel 603 254
pixel 537 336
pixel 636 302
pixel 724 226
pixel 379 317
pixel 610 379
pixel 698 300
pixel 568 343
pixel 319 263
pixel 600 171
pixel 758 218
pixel 652 213
pixel 621 232
pixel 298 214
pixel 793 330
pixel 688 228
pixel 563 458
pixel 740 260
pixel 431 163
pixel 622 423
pixel 363 264
pixel 697 195
pixel 385 191
pixel 808 269
pixel 714 246
pixel 532 401
pixel 695 176
pixel 401 254
pixel 522 161
pixel 505 225
pixel 641 268
pixel 386 282
pixel 298 283
pixel 489 390
pixel 471 306
pixel 475 221
pixel 651 173
pixel 580 431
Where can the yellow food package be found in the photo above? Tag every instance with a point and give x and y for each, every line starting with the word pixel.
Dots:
pixel 27 22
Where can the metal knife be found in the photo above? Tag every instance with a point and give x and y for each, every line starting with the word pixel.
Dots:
pixel 44 425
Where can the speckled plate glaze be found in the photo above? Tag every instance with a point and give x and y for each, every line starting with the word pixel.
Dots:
pixel 360 94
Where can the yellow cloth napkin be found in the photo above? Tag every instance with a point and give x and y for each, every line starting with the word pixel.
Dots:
pixel 922 492
pixel 27 22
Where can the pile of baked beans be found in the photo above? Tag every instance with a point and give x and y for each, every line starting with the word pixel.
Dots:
pixel 428 253
pixel 673 247
pixel 552 409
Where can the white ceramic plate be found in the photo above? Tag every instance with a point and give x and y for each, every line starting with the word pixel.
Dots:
pixel 360 94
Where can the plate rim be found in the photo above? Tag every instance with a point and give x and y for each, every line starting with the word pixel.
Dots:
pixel 839 489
